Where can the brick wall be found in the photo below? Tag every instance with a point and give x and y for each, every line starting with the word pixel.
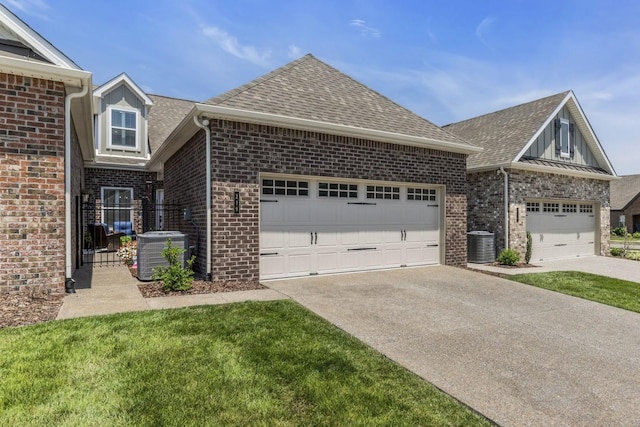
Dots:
pixel 486 208
pixel 241 151
pixel 96 178
pixel 31 183
pixel 631 214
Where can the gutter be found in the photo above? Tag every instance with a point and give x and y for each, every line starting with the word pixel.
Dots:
pixel 506 206
pixel 68 281
pixel 204 124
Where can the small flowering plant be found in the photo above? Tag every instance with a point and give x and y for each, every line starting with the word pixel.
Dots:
pixel 128 252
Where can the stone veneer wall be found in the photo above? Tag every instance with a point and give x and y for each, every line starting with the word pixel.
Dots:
pixel 32 221
pixel 240 152
pixel 486 198
pixel 96 178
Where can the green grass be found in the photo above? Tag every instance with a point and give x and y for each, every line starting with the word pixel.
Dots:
pixel 270 363
pixel 606 290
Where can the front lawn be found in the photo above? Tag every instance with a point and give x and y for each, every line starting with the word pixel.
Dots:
pixel 606 290
pixel 252 363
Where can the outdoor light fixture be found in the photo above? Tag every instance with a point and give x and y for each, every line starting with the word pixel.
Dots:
pixel 86 195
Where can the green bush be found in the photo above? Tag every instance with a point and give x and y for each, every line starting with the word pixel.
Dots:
pixel 619 231
pixel 527 254
pixel 175 277
pixel 508 257
pixel 125 239
pixel 636 235
pixel 633 255
pixel 617 251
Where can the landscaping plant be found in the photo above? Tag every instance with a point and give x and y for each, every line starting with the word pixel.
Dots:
pixel 617 251
pixel 527 254
pixel 619 231
pixel 175 277
pixel 128 250
pixel 508 257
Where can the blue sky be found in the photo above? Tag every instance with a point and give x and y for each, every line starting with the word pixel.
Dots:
pixel 445 60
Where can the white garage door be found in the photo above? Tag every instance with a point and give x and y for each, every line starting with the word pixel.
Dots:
pixel 320 226
pixel 561 230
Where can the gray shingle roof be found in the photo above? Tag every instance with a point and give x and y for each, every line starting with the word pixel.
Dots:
pixel 308 88
pixel 165 114
pixel 503 134
pixel 624 190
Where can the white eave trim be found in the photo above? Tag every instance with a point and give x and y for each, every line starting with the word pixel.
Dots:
pixel 215 111
pixel 123 78
pixel 22 67
pixel 584 126
pixel 544 169
pixel 35 40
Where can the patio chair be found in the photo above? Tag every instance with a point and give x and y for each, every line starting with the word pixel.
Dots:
pixel 125 227
pixel 102 239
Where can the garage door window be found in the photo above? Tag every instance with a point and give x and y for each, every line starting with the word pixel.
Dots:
pixel 280 187
pixel 569 208
pixel 586 209
pixel 382 192
pixel 334 189
pixel 551 207
pixel 533 207
pixel 426 194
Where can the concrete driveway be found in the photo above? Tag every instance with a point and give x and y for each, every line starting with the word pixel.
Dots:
pixel 517 354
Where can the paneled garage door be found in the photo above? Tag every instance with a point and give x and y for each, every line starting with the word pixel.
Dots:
pixel 561 230
pixel 312 226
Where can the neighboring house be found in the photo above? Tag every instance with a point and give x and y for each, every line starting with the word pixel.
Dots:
pixel 45 128
pixel 555 172
pixel 306 171
pixel 625 203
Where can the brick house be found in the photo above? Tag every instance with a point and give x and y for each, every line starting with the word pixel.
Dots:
pixel 45 127
pixel 625 203
pixel 542 170
pixel 306 171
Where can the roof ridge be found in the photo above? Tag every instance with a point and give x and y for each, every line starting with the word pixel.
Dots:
pixel 257 81
pixel 565 93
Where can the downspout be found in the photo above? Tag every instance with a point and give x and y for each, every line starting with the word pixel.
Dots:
pixel 205 125
pixel 506 207
pixel 68 281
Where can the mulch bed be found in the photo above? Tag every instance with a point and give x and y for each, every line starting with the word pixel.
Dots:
pixel 28 308
pixel 506 267
pixel 154 289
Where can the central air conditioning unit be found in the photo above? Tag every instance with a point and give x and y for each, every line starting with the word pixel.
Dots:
pixel 480 247
pixel 150 246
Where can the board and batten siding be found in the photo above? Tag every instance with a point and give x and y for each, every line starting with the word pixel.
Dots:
pixel 544 146
pixel 122 96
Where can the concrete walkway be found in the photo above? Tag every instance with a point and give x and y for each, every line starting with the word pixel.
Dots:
pixel 619 268
pixel 520 355
pixel 107 290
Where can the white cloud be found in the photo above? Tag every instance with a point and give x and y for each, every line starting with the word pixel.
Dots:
pixel 483 28
pixel 230 44
pixel 36 8
pixel 364 29
pixel 294 52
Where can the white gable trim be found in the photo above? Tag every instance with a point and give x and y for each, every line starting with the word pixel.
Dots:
pixel 126 80
pixel 35 40
pixel 583 125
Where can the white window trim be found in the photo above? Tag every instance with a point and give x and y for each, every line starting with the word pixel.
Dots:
pixel 565 154
pixel 110 108
pixel 102 206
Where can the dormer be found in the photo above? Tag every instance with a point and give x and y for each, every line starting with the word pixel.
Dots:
pixel 122 111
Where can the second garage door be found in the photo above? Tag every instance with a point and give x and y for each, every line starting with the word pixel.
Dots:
pixel 315 226
pixel 561 229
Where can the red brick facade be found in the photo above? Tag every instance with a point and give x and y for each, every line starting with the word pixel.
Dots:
pixel 240 152
pixel 32 227
pixel 631 214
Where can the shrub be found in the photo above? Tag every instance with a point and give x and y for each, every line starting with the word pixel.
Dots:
pixel 128 251
pixel 617 251
pixel 125 239
pixel 619 231
pixel 175 277
pixel 508 257
pixel 633 256
pixel 636 235
pixel 527 254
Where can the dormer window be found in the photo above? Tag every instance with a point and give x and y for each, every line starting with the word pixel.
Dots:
pixel 123 128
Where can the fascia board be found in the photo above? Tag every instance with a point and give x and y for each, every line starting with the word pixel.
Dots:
pixel 215 111
pixel 558 171
pixel 21 67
